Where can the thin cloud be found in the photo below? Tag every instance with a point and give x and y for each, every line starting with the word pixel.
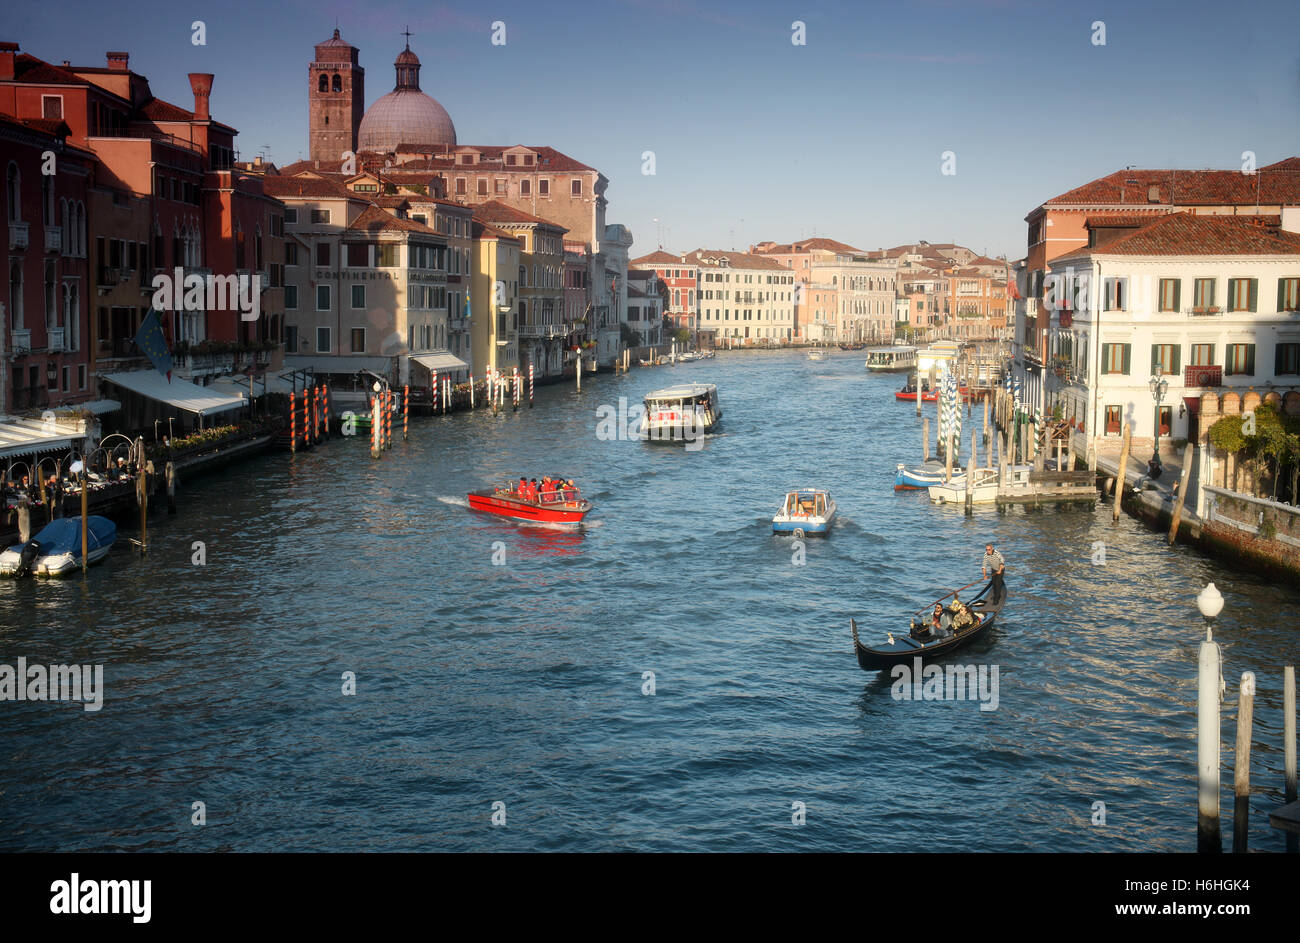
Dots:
pixel 959 59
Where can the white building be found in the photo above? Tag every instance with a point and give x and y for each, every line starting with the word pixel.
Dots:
pixel 745 299
pixel 1212 302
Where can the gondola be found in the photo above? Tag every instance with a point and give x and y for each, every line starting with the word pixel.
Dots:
pixel 903 647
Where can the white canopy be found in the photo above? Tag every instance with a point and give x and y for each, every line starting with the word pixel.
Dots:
pixel 179 393
pixel 29 436
pixel 440 360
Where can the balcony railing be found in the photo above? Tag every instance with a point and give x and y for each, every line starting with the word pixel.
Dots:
pixel 53 238
pixel 1203 376
pixel 22 341
pixel 55 337
pixel 17 235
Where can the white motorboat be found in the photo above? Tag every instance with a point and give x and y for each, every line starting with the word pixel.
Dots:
pixel 816 354
pixel 56 549
pixel 805 512
pixel 984 488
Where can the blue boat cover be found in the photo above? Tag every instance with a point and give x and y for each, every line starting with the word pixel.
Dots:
pixel 64 535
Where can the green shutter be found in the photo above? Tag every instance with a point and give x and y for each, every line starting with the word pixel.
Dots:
pixel 1155 357
pixel 1250 360
pixel 1281 293
pixel 1178 291
pixel 1254 294
pixel 1128 349
pixel 1178 359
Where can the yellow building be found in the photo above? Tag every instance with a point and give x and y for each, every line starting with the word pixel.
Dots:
pixel 494 295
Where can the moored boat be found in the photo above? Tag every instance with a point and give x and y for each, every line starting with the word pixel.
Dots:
pixel 565 507
pixel 915 477
pixel 984 488
pixel 921 641
pixel 805 512
pixel 681 413
pixel 56 549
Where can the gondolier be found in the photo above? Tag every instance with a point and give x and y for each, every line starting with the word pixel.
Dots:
pixel 993 561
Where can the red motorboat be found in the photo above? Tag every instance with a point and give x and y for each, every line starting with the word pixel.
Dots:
pixel 927 395
pixel 560 507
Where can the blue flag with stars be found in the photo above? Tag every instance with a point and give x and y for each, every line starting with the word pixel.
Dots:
pixel 151 342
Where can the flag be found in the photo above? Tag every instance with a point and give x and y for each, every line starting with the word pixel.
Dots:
pixel 467 310
pixel 153 345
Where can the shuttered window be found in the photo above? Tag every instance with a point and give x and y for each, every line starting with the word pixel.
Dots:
pixel 1115 358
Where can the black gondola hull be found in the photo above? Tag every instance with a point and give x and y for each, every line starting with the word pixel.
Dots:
pixel 905 648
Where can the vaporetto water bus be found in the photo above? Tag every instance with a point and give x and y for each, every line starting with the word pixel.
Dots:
pixel 681 413
pixel 891 359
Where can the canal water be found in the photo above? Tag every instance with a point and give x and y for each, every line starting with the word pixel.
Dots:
pixel 497 663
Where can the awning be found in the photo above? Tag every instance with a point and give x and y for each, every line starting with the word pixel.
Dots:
pixel 440 360
pixel 236 385
pixel 182 394
pixel 99 407
pixel 29 436
pixel 327 364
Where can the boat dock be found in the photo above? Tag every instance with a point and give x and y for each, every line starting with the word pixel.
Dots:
pixel 1046 487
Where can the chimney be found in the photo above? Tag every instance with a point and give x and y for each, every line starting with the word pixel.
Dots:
pixel 1153 194
pixel 117 61
pixel 201 83
pixel 8 52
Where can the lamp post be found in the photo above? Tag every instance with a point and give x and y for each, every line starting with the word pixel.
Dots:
pixel 1158 386
pixel 1208 696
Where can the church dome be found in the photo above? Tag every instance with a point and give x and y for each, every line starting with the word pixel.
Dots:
pixel 406 115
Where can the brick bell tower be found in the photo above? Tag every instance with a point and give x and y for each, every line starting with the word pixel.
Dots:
pixel 336 97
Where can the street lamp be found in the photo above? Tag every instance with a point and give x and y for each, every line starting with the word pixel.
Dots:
pixel 1158 386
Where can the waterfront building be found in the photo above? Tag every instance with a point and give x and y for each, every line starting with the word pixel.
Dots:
pixel 539 318
pixel 494 294
pixel 161 195
pixel 843 293
pixel 645 308
pixel 978 299
pixel 1121 201
pixel 1211 301
pixel 682 281
pixel 45 340
pixel 367 288
pixel 746 299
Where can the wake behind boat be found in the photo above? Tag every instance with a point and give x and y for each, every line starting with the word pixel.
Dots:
pixel 56 549
pixel 561 504
pixel 924 639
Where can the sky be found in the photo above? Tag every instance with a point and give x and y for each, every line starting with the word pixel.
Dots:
pixel 754 137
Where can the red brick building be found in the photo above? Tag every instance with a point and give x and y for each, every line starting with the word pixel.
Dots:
pixel 682 280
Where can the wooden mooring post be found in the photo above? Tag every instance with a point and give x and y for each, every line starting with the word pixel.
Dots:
pixel 918 391
pixel 986 417
pixel 1241 763
pixel 1123 470
pixel 1182 492
pixel 1207 745
pixel 1288 746
pixel 925 439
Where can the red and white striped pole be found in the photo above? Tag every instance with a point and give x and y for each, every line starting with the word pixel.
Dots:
pixel 406 410
pixel 293 424
pixel 376 426
pixel 514 388
pixel 530 384
pixel 435 391
pixel 325 408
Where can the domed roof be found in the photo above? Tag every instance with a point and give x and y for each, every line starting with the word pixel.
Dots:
pixel 405 116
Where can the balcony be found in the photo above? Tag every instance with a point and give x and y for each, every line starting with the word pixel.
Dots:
pixel 55 337
pixel 53 238
pixel 1202 377
pixel 107 276
pixel 17 235
pixel 22 342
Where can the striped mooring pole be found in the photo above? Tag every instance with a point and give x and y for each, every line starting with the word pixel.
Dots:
pixel 406 409
pixel 293 424
pixel 325 408
pixel 530 384
pixel 517 381
pixel 471 391
pixel 436 381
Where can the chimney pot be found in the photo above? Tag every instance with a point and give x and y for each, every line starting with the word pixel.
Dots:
pixel 201 85
pixel 8 52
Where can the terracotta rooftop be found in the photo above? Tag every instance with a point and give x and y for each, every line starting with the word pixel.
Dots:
pixel 1275 184
pixel 658 257
pixel 307 186
pixel 1192 234
pixel 483 230
pixel 495 212
pixel 734 259
pixel 373 219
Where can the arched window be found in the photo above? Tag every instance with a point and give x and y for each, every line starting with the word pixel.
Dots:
pixel 14 191
pixel 324 84
pixel 338 83
pixel 16 294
